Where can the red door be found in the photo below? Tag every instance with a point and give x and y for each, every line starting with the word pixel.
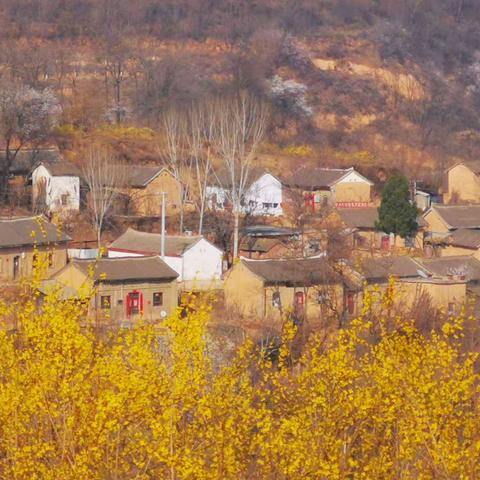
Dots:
pixel 351 303
pixel 299 299
pixel 134 303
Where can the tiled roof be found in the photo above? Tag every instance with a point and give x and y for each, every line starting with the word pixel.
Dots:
pixel 315 178
pixel 453 266
pixel 61 168
pixel 260 245
pixel 359 217
pixel 382 268
pixel 127 269
pixel 145 242
pixel 465 237
pixel 300 272
pixel 459 216
pixel 18 232
pixel 139 176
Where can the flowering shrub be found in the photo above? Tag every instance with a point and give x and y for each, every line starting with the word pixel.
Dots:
pixel 147 403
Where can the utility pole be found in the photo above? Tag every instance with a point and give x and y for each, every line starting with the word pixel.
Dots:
pixel 162 237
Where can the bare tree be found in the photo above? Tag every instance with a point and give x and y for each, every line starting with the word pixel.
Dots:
pixel 200 138
pixel 26 117
pixel 175 154
pixel 104 179
pixel 117 55
pixel 241 123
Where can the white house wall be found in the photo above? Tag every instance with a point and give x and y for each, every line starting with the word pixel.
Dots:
pixel 56 187
pixel 203 261
pixel 264 197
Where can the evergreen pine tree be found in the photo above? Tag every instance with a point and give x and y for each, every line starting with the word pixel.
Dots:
pixel 397 214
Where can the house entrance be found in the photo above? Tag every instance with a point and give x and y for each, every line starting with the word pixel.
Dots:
pixel 134 303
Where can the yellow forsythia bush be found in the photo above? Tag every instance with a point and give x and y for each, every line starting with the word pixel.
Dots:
pixel 140 404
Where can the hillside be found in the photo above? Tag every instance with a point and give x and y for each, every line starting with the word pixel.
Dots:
pixel 390 84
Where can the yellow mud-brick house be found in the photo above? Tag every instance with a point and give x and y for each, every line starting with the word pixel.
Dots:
pixel 120 289
pixel 463 182
pixel 24 239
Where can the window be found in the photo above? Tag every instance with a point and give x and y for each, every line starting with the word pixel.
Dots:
pixel 64 199
pixel 105 302
pixel 276 300
pixel 451 308
pixel 119 302
pixel 323 298
pixel 50 259
pixel 157 299
pixel 409 242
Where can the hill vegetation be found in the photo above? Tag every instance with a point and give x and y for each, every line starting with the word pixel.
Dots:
pixel 371 83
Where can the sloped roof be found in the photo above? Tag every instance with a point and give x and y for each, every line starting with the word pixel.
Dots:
pixel 397 266
pixel 269 231
pixel 25 160
pixel 127 269
pixel 61 168
pixel 223 178
pixel 18 232
pixel 359 217
pixel 455 265
pixel 261 245
pixel 465 237
pixel 473 165
pixel 139 176
pixel 458 216
pixel 301 272
pixel 318 178
pixel 145 242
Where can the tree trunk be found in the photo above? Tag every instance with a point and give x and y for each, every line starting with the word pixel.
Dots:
pixel 181 218
pixel 200 220
pixel 236 219
pixel 99 235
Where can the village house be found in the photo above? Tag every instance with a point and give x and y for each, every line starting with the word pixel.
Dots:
pixel 56 186
pixel 414 279
pixel 198 262
pixel 464 267
pixel 443 220
pixel 144 187
pixel 329 187
pixel 22 240
pixel 120 289
pixel 264 195
pixel 21 168
pixel 274 289
pixel 463 182
pixel 361 225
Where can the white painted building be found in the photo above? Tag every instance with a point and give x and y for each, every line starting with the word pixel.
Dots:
pixel 263 196
pixel 197 261
pixel 56 187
